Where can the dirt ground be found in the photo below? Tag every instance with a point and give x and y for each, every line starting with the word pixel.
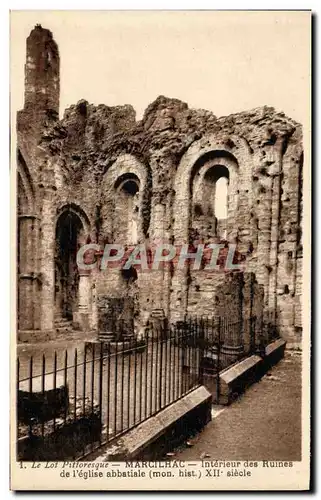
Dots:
pixel 263 424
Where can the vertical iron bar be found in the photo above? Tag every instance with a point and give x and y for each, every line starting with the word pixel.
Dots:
pixel 30 373
pixel 172 358
pixel 100 387
pixel 160 386
pixel 169 366
pixel 178 374
pixel 43 370
pixel 122 386
pixel 92 381
pixel 55 390
pixel 30 391
pixel 135 381
pixel 93 378
pixel 165 371
pixel 108 393
pixel 151 377
pixel 84 383
pixel 201 350
pixel 176 353
pixel 190 343
pixel 145 378
pixel 128 387
pixel 17 405
pixel 218 362
pixel 75 383
pixel 140 386
pixel 115 388
pixel 84 387
pixel 182 375
pixel 65 380
pixel 146 373
pixel 174 364
pixel 156 374
pixel 194 361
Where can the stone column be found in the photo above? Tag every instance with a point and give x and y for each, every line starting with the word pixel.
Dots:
pixel 275 171
pixel 162 165
pixel 84 294
pixel 248 314
pixel 264 241
pixel 48 227
pixel 27 274
pixel 230 309
pixel 158 216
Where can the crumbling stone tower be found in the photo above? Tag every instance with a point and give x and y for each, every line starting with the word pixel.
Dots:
pixel 34 181
pixel 99 176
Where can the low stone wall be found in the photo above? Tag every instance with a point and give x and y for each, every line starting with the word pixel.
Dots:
pixel 161 433
pixel 234 380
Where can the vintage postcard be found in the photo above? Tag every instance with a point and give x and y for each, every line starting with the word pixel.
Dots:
pixel 160 170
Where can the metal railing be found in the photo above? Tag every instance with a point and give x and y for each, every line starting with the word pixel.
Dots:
pixel 71 403
pixel 116 385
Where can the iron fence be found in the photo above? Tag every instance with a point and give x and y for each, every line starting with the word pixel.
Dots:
pixel 73 403
pixel 106 390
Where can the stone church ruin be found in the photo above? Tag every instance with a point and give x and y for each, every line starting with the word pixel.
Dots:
pixel 99 176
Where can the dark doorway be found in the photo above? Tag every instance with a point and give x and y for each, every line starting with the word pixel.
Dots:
pixel 68 230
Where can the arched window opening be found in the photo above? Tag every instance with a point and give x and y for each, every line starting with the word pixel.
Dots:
pixel 127 213
pixel 221 198
pixel 210 201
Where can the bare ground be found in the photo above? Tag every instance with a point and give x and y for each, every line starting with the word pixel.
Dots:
pixel 263 424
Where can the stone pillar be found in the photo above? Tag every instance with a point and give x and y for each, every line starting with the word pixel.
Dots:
pixel 264 240
pixel 48 235
pixel 157 227
pixel 93 318
pixel 84 295
pixel 248 313
pixel 27 273
pixel 179 282
pixel 230 310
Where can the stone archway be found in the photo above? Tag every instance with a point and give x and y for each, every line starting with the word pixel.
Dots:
pixel 71 233
pixel 207 160
pixel 126 189
pixel 210 201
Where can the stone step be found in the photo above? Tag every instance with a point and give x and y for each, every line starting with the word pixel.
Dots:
pixel 62 321
pixel 61 329
pixel 111 338
pixel 158 313
pixel 63 325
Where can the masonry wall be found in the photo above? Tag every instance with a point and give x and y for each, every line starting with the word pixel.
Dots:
pixel 174 155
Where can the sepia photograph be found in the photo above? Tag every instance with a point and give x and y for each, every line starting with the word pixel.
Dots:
pixel 160 185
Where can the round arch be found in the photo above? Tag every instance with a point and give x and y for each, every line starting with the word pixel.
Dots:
pixel 78 211
pixel 72 228
pixel 231 152
pixel 128 173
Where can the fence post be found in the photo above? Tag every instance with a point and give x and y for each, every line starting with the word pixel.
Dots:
pixel 160 374
pixel 218 392
pixel 17 406
pixel 100 387
pixel 55 390
pixel 201 350
pixel 30 391
pixel 182 344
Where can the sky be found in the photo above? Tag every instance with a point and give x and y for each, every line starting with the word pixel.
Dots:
pixel 222 61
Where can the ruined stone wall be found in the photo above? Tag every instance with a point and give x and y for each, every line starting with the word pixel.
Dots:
pixel 90 162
